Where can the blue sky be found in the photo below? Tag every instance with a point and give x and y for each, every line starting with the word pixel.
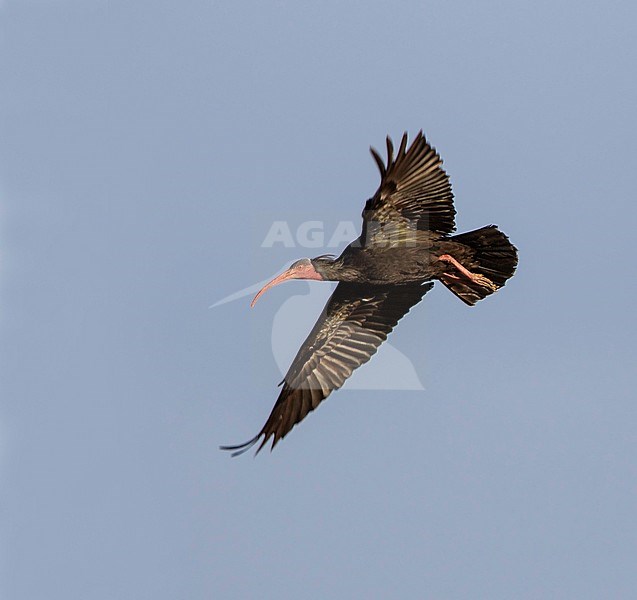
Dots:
pixel 146 149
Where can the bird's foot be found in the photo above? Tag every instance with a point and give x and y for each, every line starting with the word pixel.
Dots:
pixel 481 280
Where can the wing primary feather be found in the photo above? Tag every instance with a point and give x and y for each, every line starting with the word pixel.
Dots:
pixel 263 443
pixel 390 152
pixel 379 161
pixel 239 449
pixel 403 145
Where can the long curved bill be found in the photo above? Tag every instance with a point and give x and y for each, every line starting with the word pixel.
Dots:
pixel 289 274
pixel 301 269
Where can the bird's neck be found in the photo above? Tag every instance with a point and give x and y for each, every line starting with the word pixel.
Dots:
pixel 336 270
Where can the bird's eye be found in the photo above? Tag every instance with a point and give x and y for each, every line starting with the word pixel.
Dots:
pixel 298 263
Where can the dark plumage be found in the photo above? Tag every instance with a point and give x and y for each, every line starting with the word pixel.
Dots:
pixel 405 243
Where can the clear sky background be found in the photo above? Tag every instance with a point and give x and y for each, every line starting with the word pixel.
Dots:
pixel 145 150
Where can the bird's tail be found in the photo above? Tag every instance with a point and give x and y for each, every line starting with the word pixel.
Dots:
pixel 494 260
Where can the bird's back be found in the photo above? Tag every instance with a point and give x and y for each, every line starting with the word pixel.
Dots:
pixel 394 263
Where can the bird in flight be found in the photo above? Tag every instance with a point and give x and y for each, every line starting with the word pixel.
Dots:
pixel 405 245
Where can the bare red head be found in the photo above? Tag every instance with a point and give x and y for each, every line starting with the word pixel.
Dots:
pixel 301 269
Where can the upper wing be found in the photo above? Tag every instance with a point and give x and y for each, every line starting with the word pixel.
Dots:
pixel 354 323
pixel 414 194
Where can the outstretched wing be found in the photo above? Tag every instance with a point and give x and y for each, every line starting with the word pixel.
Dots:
pixel 414 195
pixel 354 323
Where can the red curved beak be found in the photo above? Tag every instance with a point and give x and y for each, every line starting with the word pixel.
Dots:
pixel 298 272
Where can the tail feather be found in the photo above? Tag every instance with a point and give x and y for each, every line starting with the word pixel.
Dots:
pixel 493 256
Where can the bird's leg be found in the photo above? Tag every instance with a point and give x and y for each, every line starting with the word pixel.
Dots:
pixel 475 277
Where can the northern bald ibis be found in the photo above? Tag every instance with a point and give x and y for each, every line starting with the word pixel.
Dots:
pixel 405 244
